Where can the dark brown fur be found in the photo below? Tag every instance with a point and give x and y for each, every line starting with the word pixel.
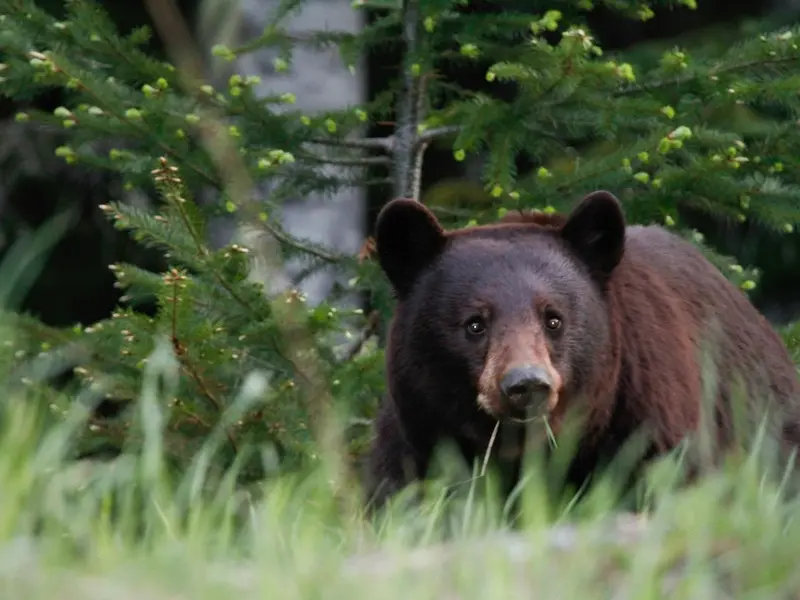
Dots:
pixel 638 303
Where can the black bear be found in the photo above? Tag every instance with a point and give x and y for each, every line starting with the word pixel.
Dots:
pixel 539 314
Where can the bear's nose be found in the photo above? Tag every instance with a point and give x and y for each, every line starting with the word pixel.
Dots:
pixel 526 386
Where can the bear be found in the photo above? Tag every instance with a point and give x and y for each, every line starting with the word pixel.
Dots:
pixel 539 314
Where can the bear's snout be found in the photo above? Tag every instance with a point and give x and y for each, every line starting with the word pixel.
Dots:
pixel 518 377
pixel 526 387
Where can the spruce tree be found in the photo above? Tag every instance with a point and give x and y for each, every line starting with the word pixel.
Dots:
pixel 709 128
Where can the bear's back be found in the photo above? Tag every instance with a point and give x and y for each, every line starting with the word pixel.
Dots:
pixel 675 259
pixel 742 341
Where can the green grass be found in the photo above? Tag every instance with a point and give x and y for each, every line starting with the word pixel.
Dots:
pixel 124 529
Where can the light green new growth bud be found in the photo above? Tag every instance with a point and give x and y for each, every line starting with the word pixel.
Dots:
pixel 681 133
pixel 469 50
pixel 222 51
pixel 625 71
pixel 646 13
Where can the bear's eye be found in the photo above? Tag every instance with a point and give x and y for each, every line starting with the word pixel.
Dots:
pixel 552 321
pixel 476 326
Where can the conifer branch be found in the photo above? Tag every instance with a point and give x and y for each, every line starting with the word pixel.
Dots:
pixel 167 175
pixel 305 274
pixel 371 327
pixel 286 239
pixel 145 132
pixel 721 70
pixel 182 354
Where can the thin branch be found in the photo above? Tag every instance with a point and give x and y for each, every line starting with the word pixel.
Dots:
pixel 426 137
pixel 285 238
pixel 364 161
pixel 370 329
pixel 314 39
pixel 307 272
pixel 384 143
pixel 181 351
pixel 387 144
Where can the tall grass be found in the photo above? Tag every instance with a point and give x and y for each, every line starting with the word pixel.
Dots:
pixel 131 529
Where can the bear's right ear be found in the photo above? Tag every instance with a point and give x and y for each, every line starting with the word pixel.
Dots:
pixel 408 237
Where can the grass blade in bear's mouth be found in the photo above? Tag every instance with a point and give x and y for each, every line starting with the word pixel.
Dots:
pixel 533 416
pixel 523 417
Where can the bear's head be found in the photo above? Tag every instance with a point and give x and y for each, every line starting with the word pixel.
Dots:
pixel 510 318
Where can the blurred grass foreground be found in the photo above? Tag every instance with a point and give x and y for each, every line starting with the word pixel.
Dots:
pixel 125 529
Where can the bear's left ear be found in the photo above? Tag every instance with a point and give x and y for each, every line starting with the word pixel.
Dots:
pixel 408 237
pixel 595 230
